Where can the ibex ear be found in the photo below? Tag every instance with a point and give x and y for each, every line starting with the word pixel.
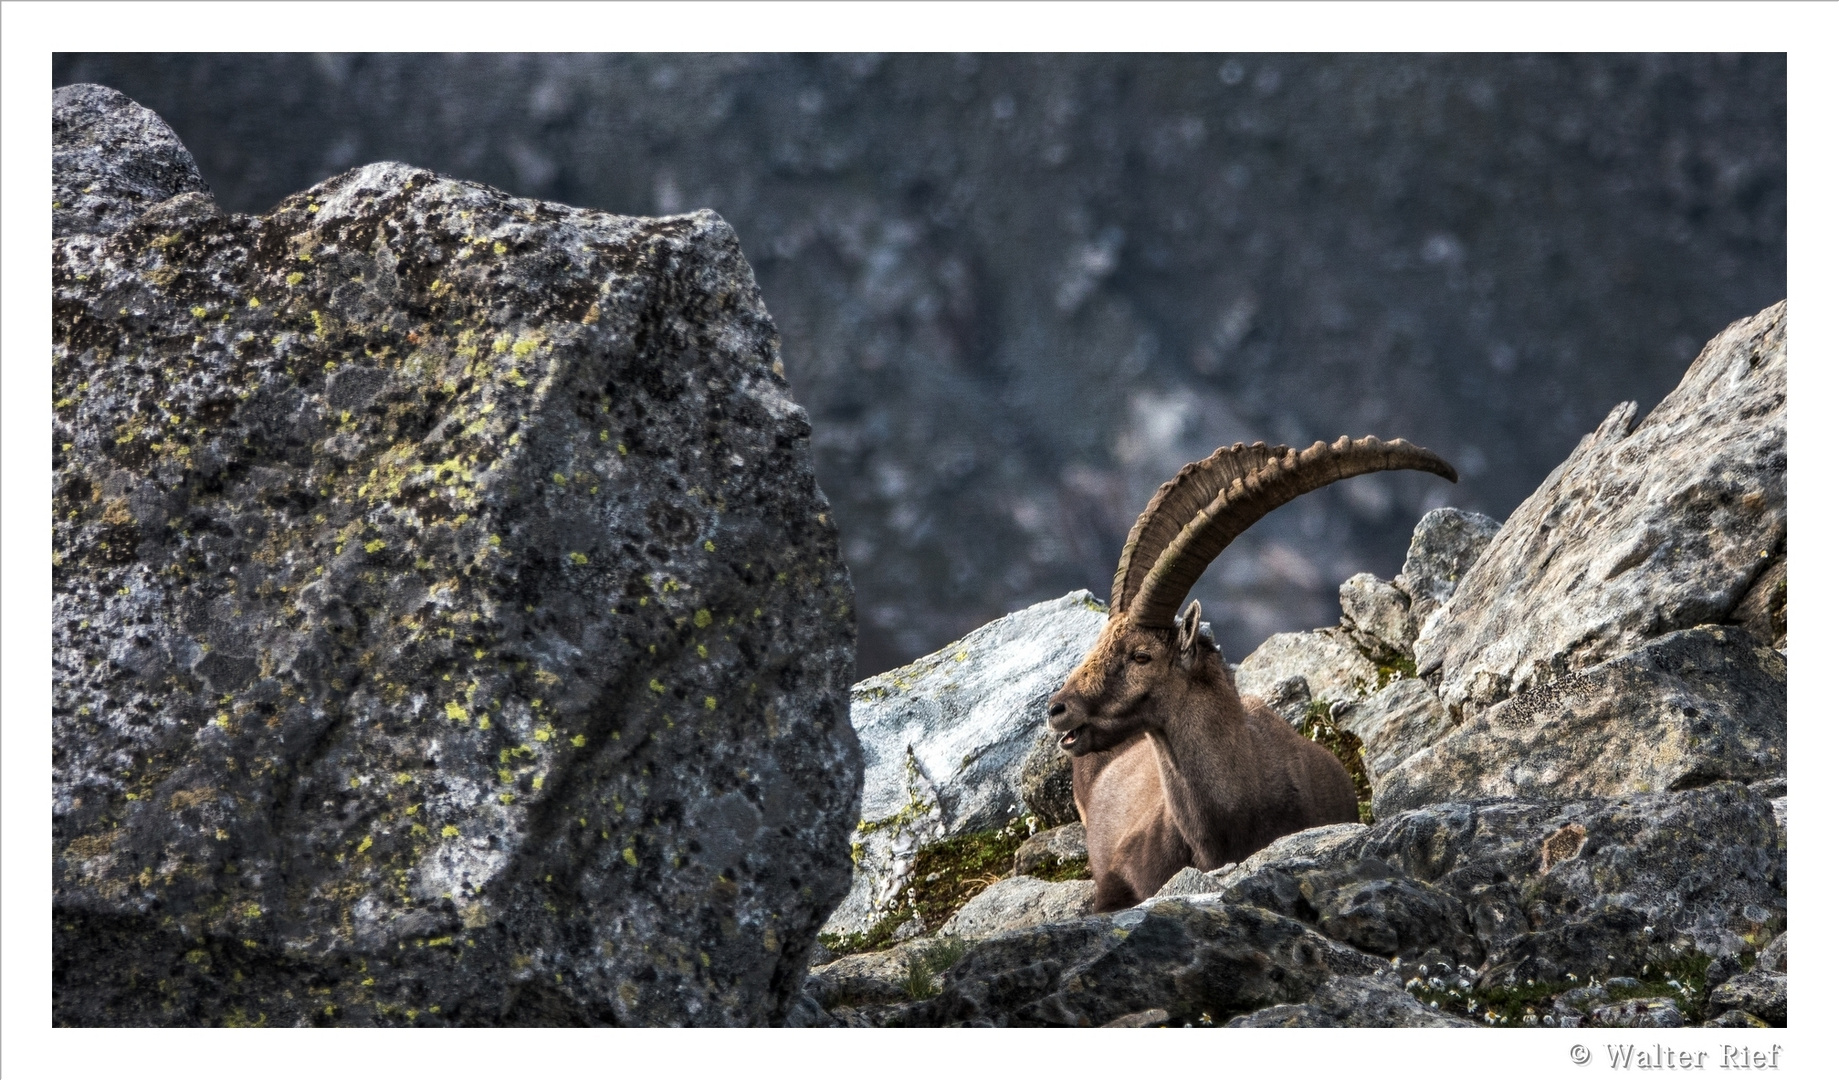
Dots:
pixel 1188 638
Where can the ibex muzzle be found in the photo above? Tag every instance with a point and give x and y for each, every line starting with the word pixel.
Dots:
pixel 1170 767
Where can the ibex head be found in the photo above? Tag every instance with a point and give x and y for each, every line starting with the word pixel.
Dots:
pixel 1144 665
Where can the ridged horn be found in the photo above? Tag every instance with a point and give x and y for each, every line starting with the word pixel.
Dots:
pixel 1192 518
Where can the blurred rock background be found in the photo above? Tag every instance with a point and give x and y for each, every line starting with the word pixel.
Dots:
pixel 1018 292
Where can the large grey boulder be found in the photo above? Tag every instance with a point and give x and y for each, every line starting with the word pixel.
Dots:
pixel 447 626
pixel 1352 1001
pixel 1015 903
pixel 1692 706
pixel 1290 672
pixel 1393 725
pixel 111 160
pixel 1200 962
pixel 1549 889
pixel 944 739
pixel 1445 544
pixel 1645 529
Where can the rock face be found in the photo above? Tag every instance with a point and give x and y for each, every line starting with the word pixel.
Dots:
pixel 447 625
pixel 1545 889
pixel 1344 1001
pixel 1695 705
pixel 1605 846
pixel 1329 663
pixel 1645 529
pixel 1199 962
pixel 944 740
pixel 1017 902
pixel 1445 544
pixel 112 160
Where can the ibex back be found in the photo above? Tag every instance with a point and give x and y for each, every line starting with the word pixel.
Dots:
pixel 1171 767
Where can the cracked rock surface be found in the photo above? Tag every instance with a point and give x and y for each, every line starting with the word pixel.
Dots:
pixel 1650 526
pixel 448 627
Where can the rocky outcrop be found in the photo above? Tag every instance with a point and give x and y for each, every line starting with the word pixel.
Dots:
pixel 944 740
pixel 1018 902
pixel 1444 545
pixel 447 625
pixel 1603 847
pixel 1695 705
pixel 1200 962
pixel 1647 528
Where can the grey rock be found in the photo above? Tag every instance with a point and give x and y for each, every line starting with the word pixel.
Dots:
pixel 1288 697
pixel 1308 849
pixel 1378 613
pixel 1682 710
pixel 1549 890
pixel 111 161
pixel 1444 545
pixel 1392 725
pixel 808 1012
pixel 1146 1018
pixel 944 739
pixel 1647 1012
pixel 1647 528
pixel 445 614
pixel 1196 961
pixel 1736 1018
pixel 1372 907
pixel 1774 956
pixel 1047 781
pixel 1347 1001
pixel 1015 903
pixel 1763 994
pixel 1763 611
pixel 1051 849
pixel 871 978
pixel 1188 882
pixel 1330 663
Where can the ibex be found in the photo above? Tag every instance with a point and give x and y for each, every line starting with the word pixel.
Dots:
pixel 1171 767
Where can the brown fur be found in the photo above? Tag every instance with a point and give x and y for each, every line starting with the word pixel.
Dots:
pixel 1171 768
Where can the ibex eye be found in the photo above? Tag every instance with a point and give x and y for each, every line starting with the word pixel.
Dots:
pixel 1141 657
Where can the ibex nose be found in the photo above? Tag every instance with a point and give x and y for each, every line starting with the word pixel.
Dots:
pixel 1056 709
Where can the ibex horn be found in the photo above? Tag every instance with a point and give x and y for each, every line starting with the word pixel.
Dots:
pixel 1192 518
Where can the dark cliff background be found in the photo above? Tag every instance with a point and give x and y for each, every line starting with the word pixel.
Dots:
pixel 1017 292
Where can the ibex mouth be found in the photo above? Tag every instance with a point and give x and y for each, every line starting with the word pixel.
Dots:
pixel 1067 740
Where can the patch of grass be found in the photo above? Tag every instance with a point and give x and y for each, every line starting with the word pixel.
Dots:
pixel 1319 727
pixel 924 965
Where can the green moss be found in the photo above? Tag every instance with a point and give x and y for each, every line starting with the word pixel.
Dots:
pixel 946 875
pixel 1319 727
pixel 1074 869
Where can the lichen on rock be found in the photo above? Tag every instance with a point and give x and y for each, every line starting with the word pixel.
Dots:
pixel 447 623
